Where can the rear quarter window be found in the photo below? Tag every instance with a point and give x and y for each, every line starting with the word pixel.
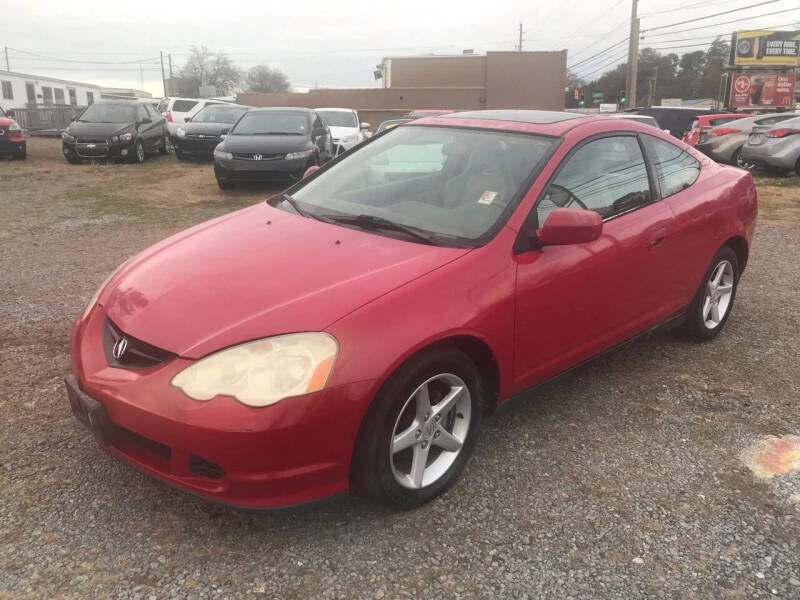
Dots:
pixel 183 105
pixel 162 106
pixel 675 169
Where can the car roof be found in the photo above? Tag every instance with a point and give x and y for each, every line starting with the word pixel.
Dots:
pixel 531 121
pixel 337 109
pixel 132 101
pixel 282 109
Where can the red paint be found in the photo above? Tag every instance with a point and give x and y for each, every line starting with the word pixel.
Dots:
pixel 762 90
pixel 570 226
pixel 262 271
pixel 705 123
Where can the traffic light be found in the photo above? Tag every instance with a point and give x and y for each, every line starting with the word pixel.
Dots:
pixel 621 97
pixel 582 101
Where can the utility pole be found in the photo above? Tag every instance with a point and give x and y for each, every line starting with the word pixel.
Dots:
pixel 7 67
pixel 163 77
pixel 169 58
pixel 633 58
pixel 519 47
pixel 654 81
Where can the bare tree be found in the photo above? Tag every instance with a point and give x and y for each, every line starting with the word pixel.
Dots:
pixel 204 68
pixel 263 78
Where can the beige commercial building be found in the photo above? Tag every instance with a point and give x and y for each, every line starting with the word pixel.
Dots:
pixel 533 80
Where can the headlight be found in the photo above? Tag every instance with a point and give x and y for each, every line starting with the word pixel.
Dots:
pixel 93 301
pixel 222 154
pixel 349 139
pixel 294 155
pixel 181 133
pixel 14 126
pixel 262 372
pixel 67 137
pixel 125 137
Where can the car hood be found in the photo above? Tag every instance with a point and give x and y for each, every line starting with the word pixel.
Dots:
pixel 214 129
pixel 339 132
pixel 265 144
pixel 78 129
pixel 254 273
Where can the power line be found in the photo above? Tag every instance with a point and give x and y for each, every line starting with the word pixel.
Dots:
pixel 582 27
pixel 615 60
pixel 87 62
pixel 619 43
pixel 703 37
pixel 602 37
pixel 684 7
pixel 714 15
pixel 723 23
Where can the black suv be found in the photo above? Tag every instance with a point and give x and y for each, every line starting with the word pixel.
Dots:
pixel 116 130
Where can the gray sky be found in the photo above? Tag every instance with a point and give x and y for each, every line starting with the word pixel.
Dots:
pixel 337 44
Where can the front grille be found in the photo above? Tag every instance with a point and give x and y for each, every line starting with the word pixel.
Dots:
pixel 263 156
pixel 99 151
pixel 136 355
pixel 152 446
pixel 92 141
pixel 204 468
pixel 201 136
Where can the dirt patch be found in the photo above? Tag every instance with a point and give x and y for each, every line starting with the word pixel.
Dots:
pixel 778 205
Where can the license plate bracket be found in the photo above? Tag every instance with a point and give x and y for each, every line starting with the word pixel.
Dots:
pixel 90 412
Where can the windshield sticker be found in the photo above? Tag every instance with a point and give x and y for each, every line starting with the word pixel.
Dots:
pixel 487 197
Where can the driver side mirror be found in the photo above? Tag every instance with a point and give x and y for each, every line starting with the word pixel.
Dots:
pixel 365 126
pixel 566 226
pixel 187 119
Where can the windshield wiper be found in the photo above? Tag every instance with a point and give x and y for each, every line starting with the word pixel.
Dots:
pixel 293 203
pixel 372 222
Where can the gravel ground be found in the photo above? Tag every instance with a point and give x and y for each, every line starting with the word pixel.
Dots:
pixel 628 479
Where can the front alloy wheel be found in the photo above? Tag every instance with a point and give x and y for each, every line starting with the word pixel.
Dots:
pixel 430 431
pixel 420 429
pixel 139 152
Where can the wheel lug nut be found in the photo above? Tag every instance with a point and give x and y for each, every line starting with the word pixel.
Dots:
pixel 436 433
pixel 424 445
pixel 418 434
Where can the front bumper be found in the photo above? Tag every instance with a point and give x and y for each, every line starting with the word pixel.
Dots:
pixel 98 150
pixel 12 147
pixel 198 147
pixel 782 153
pixel 259 170
pixel 289 453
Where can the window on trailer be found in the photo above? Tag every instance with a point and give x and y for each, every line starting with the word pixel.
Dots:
pixel 73 96
pixel 60 96
pixel 89 98
pixel 8 91
pixel 47 94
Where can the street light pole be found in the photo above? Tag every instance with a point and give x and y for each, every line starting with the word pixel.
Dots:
pixel 633 58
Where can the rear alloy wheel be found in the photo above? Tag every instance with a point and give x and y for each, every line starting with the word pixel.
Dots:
pixel 420 430
pixel 713 302
pixel 138 152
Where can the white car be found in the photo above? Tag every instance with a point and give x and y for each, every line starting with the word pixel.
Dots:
pixel 175 110
pixel 346 130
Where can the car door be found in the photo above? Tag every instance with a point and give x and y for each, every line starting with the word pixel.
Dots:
pixel 158 127
pixel 575 301
pixel 143 127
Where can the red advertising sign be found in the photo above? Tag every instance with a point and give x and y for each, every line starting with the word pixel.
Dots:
pixel 762 90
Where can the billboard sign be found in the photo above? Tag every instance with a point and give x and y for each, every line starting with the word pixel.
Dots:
pixel 762 90
pixel 763 47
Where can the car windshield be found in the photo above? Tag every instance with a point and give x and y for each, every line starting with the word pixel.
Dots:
pixel 338 118
pixel 272 122
pixel 108 113
pixel 450 185
pixel 219 114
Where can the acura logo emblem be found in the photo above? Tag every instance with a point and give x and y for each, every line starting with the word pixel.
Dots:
pixel 120 346
pixel 257 157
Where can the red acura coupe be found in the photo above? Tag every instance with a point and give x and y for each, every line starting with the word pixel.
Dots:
pixel 354 331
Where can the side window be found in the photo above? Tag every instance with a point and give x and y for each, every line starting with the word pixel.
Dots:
pixel 676 169
pixel 694 124
pixel 152 112
pixel 140 112
pixel 318 124
pixel 89 98
pixel 607 176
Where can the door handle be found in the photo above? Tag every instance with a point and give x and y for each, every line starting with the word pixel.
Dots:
pixel 658 236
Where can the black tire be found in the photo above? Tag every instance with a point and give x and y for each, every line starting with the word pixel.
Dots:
pixel 21 156
pixel 371 471
pixel 166 144
pixel 695 328
pixel 737 161
pixel 224 184
pixel 180 155
pixel 776 171
pixel 138 152
pixel 797 167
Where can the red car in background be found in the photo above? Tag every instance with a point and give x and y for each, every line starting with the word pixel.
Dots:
pixel 354 331
pixel 12 138
pixel 702 124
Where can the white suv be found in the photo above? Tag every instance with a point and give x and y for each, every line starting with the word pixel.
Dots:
pixel 175 110
pixel 346 130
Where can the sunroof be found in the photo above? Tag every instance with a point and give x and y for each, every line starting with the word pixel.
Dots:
pixel 539 117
